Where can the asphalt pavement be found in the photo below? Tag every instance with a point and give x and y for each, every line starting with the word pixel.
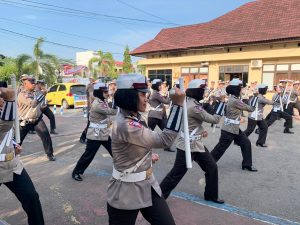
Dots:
pixel 270 196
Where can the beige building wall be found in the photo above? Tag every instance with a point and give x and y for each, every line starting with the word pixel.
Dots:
pixel 280 53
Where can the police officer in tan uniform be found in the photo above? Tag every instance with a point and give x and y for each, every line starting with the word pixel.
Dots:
pixel 277 111
pixel 98 132
pixel 231 128
pixel 256 117
pixel 133 187
pixel 30 114
pixel 40 85
pixel 90 99
pixel 12 173
pixel 157 114
pixel 196 116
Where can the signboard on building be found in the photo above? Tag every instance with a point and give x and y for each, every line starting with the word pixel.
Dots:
pixel 79 80
pixel 80 101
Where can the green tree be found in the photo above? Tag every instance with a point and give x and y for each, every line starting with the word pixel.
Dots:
pixel 141 69
pixel 127 65
pixel 105 65
pixel 42 65
pixel 8 68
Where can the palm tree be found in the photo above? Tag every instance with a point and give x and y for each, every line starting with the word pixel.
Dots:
pixel 105 63
pixel 41 65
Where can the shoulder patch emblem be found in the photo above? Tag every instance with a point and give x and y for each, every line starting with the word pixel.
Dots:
pixel 198 108
pixel 135 124
pixel 103 105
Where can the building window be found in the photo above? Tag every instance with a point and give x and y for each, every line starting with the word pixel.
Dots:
pixel 227 73
pixel 268 78
pixel 164 75
pixel 279 72
pixel 191 73
pixel 282 67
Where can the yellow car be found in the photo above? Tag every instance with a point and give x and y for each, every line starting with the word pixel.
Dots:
pixel 63 94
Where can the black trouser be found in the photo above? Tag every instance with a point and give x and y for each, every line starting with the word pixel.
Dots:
pixel 87 157
pixel 25 192
pixel 224 142
pixel 42 131
pixel 207 164
pixel 47 111
pixel 263 129
pixel 157 214
pixel 152 122
pixel 273 116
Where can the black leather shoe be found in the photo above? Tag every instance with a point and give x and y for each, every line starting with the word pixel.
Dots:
pixel 168 150
pixel 257 131
pixel 249 168
pixel 51 158
pixel 77 177
pixel 261 145
pixel 53 132
pixel 82 141
pixel 218 201
pixel 287 131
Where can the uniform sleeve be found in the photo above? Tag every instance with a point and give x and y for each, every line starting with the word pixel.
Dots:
pixel 243 106
pixel 23 100
pixel 5 125
pixel 142 136
pixel 201 115
pixel 297 93
pixel 162 99
pixel 145 137
pixel 102 108
pixel 267 101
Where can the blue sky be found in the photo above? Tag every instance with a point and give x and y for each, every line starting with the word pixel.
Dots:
pixel 107 34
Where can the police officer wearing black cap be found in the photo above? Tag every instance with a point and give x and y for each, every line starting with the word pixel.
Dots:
pixel 40 85
pixel 30 114
pixel 231 128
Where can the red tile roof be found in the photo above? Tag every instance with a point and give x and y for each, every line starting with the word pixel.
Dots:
pixel 254 22
pixel 118 63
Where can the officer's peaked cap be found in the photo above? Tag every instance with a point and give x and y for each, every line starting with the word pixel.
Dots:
pixel 197 83
pixel 155 81
pixel 100 85
pixel 262 86
pixel 297 82
pixel 235 82
pixel 132 81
